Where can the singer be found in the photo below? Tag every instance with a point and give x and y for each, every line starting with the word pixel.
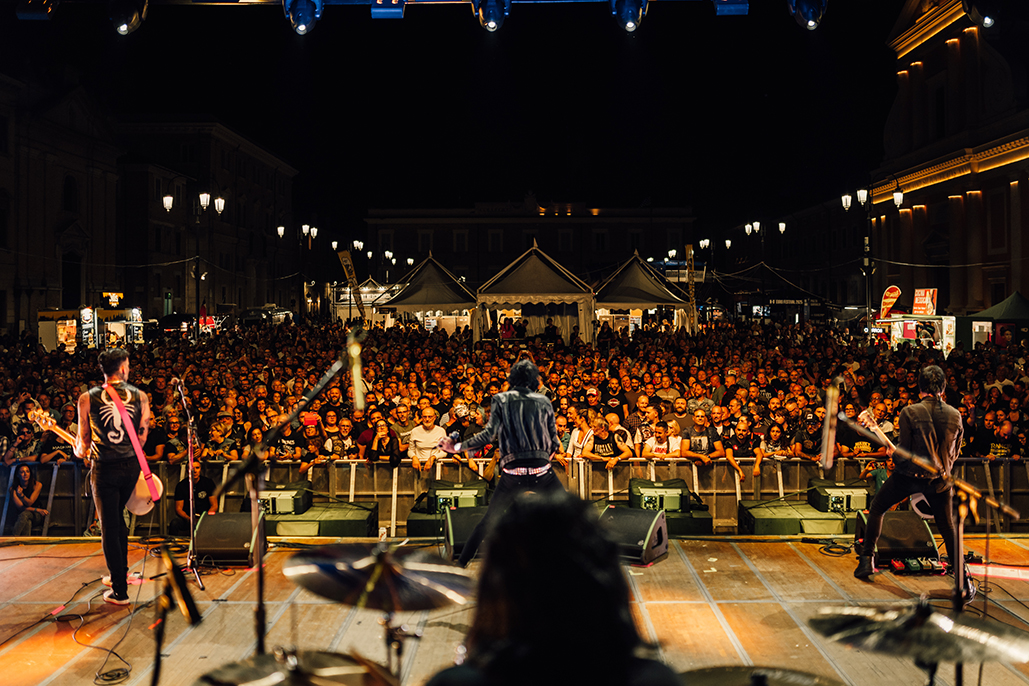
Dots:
pixel 521 425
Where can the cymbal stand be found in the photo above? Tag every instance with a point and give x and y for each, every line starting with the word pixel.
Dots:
pixel 395 636
pixel 191 439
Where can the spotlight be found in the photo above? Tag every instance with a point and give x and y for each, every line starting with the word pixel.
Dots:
pixel 982 12
pixel 303 14
pixel 807 13
pixel 491 13
pixel 128 15
pixel 629 13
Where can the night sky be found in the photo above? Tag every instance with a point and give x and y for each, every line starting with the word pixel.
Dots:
pixel 738 117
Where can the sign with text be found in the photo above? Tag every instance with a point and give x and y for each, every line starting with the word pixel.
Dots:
pixel 889 298
pixel 925 301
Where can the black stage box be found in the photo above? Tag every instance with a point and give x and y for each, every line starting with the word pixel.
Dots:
pixel 227 539
pixel 850 495
pixel 459 524
pixel 446 494
pixel 686 524
pixel 670 495
pixel 641 535
pixel 905 535
pixel 340 520
pixel 425 524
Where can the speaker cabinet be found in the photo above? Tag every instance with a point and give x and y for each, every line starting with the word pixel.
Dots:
pixel 641 535
pixel 458 525
pixel 905 535
pixel 228 539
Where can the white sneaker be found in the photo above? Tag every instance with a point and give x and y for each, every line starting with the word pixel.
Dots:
pixel 109 597
pixel 134 579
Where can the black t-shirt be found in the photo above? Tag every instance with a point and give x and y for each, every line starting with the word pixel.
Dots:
pixel 701 441
pixel 614 402
pixel 202 491
pixel 156 437
pixel 286 446
pixel 52 442
pixel 744 447
pixel 810 444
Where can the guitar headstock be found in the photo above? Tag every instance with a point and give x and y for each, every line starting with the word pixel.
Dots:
pixel 43 419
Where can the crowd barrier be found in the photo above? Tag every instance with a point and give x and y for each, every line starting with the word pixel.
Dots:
pixel 66 487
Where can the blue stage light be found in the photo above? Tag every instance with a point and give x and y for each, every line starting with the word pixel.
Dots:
pixel 807 13
pixel 303 14
pixel 491 13
pixel 629 13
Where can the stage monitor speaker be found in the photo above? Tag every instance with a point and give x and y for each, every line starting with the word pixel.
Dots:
pixel 905 535
pixel 228 539
pixel 641 535
pixel 458 525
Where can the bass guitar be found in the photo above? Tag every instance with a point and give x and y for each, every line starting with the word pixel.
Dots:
pixel 140 502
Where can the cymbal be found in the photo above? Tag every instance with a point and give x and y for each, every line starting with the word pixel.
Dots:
pixel 751 676
pixel 924 633
pixel 376 577
pixel 300 668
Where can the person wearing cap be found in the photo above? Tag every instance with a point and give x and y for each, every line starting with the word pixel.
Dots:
pixel 521 426
pixel 593 399
pixel 807 442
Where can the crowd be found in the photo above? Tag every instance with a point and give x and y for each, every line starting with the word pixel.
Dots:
pixel 732 391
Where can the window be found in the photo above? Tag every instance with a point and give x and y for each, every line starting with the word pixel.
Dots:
pixel 997 221
pixel 70 198
pixel 635 239
pixel 530 238
pixel 564 240
pixel 157 237
pixel 461 241
pixel 157 189
pixel 385 240
pixel 495 241
pixel 5 213
pixel 600 240
pixel 4 135
pixel 424 242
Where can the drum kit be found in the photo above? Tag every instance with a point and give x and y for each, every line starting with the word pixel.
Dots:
pixel 383 577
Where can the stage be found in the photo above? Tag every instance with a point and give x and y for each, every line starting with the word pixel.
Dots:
pixel 710 602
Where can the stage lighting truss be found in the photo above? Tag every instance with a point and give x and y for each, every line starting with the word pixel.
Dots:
pixel 128 15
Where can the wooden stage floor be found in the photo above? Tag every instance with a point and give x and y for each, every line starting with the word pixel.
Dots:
pixel 710 602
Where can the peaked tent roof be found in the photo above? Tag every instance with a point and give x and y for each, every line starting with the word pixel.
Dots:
pixel 636 283
pixel 1015 306
pixel 430 286
pixel 534 277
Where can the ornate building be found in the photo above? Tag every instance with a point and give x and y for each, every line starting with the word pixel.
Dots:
pixel 957 146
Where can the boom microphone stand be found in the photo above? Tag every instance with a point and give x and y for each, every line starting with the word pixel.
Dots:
pixel 191 438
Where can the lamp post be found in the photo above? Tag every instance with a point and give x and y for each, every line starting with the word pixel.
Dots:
pixel 864 196
pixel 200 204
pixel 308 233
pixel 755 228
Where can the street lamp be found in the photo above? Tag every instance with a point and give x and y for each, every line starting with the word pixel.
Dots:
pixel 200 205
pixel 306 233
pixel 867 268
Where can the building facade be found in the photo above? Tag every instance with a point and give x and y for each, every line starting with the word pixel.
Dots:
pixel 957 146
pixel 475 243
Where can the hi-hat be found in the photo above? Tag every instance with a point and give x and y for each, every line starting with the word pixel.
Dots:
pixel 753 676
pixel 375 577
pixel 300 668
pixel 923 633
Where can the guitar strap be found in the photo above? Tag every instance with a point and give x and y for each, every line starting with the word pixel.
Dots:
pixel 134 437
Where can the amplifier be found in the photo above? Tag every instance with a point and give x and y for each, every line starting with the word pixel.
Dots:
pixel 444 495
pixel 671 495
pixel 843 496
pixel 285 501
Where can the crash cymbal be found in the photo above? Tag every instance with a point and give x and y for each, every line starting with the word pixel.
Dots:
pixel 924 633
pixel 753 676
pixel 300 668
pixel 376 577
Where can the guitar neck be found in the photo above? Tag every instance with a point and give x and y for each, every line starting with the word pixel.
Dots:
pixel 47 424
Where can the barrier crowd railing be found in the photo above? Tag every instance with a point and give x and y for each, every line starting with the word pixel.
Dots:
pixel 70 505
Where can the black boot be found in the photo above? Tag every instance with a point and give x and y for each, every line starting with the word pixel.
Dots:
pixel 866 566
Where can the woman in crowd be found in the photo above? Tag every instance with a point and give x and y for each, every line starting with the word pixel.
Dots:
pixel 24 493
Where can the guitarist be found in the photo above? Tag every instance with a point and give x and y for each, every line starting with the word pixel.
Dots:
pixel 931 428
pixel 115 471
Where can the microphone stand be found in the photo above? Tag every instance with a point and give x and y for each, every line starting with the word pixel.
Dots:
pixel 191 556
pixel 255 468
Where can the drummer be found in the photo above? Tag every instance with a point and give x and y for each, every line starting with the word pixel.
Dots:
pixel 521 425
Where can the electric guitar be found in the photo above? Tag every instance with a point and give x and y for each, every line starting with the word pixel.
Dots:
pixel 140 502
